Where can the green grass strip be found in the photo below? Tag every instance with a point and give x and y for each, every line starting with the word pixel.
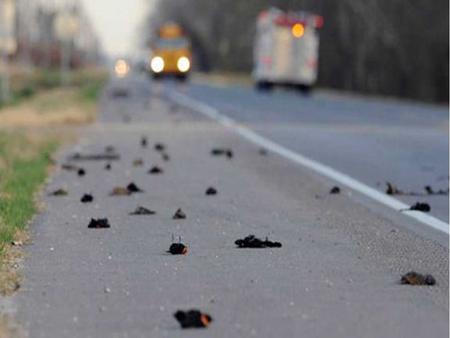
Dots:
pixel 20 179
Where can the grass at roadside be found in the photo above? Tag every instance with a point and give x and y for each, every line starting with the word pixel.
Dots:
pixel 24 161
pixel 30 132
pixel 26 84
pixel 70 105
pixel 22 171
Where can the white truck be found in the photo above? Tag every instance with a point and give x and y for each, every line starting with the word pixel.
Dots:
pixel 286 50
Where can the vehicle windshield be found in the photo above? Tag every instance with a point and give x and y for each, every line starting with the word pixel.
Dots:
pixel 172 43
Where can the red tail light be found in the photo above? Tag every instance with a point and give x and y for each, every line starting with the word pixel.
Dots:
pixel 262 15
pixel 284 20
pixel 318 21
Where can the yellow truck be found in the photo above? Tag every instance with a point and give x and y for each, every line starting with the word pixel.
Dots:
pixel 171 53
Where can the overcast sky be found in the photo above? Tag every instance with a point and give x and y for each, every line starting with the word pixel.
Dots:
pixel 117 22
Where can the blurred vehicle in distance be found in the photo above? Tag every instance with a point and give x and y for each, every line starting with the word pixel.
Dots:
pixel 286 49
pixel 121 68
pixel 171 53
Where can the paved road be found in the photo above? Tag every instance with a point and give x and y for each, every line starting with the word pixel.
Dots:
pixel 372 140
pixel 335 276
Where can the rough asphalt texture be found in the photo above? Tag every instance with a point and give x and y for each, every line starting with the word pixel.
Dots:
pixel 337 274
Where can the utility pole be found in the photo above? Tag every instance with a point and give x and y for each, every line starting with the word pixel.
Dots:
pixel 65 63
pixel 64 51
pixel 4 41
pixel 66 27
pixel 4 73
pixel 25 9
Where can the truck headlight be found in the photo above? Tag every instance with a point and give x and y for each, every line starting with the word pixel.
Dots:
pixel 183 64
pixel 157 64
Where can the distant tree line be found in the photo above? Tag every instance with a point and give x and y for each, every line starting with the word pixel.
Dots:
pixel 387 47
pixel 36 38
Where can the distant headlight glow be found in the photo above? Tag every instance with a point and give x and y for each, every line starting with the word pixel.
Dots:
pixel 121 68
pixel 157 64
pixel 183 64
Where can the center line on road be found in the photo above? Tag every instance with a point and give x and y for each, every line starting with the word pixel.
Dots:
pixel 318 167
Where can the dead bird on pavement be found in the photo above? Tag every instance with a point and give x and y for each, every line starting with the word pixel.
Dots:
pixel 335 191
pixel 193 319
pixel 87 198
pixel 69 167
pixel 155 170
pixel 126 191
pixel 120 191
pixel 59 192
pixel 139 162
pixel 160 147
pixel 211 191
pixel 179 214
pixel 165 157
pixel 222 152
pixel 178 249
pixel 95 157
pixel 101 223
pixel 392 189
pixel 141 211
pixel 16 243
pixel 110 149
pixel 430 191
pixel 81 172
pixel 218 152
pixel 253 242
pixel 144 142
pixel 414 278
pixel 133 188
pixel 423 207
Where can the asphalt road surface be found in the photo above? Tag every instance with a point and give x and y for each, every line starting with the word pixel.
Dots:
pixel 371 140
pixel 337 273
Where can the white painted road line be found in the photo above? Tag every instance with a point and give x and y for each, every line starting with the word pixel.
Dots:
pixel 318 167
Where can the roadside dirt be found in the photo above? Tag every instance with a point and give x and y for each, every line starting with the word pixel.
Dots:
pixel 8 329
pixel 55 107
